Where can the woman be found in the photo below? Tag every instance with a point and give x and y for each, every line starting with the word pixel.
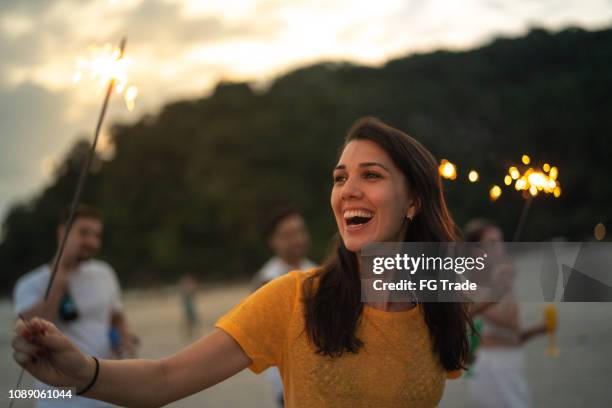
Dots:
pixel 331 349
pixel 498 377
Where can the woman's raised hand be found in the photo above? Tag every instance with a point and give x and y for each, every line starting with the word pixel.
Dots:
pixel 41 349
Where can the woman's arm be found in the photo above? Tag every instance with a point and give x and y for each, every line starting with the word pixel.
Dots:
pixel 533 331
pixel 52 358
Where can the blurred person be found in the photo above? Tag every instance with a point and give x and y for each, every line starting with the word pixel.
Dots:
pixel 332 349
pixel 498 377
pixel 288 239
pixel 188 287
pixel 84 300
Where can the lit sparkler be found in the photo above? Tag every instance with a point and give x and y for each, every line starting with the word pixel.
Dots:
pixel 104 64
pixel 447 170
pixel 112 71
pixel 532 182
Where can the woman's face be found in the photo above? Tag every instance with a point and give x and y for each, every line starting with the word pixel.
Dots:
pixel 369 198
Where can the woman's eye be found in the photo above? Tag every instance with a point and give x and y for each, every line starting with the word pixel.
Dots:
pixel 371 175
pixel 339 178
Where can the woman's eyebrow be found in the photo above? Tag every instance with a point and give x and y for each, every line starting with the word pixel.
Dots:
pixel 364 164
pixel 371 164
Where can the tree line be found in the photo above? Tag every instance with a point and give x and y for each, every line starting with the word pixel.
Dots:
pixel 189 188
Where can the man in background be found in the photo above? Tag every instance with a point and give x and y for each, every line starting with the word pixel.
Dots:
pixel 84 300
pixel 288 238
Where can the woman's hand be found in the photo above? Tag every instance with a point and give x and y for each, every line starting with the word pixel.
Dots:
pixel 41 349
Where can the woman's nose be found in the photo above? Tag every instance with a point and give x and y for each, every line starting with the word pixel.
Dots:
pixel 351 189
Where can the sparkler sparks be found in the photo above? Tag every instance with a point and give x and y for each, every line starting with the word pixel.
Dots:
pixel 473 176
pixel 104 64
pixel 531 182
pixel 447 170
pixel 495 192
pixel 535 181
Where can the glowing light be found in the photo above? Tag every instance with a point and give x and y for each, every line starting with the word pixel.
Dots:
pixel 600 231
pixel 130 97
pixel 546 167
pixel 447 170
pixel 538 180
pixel 473 176
pixel 554 173
pixel 495 192
pixel 535 181
pixel 525 159
pixel 104 64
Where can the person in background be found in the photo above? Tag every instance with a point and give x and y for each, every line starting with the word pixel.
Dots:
pixel 288 239
pixel 498 377
pixel 188 287
pixel 84 300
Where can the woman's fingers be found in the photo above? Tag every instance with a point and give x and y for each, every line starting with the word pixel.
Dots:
pixel 54 342
pixel 22 345
pixel 41 326
pixel 23 359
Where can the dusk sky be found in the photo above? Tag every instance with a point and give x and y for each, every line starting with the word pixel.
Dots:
pixel 182 48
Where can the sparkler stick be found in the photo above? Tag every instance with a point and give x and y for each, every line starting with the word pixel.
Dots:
pixel 523 219
pixel 531 183
pixel 77 194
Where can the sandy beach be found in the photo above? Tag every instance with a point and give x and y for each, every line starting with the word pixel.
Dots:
pixel 578 377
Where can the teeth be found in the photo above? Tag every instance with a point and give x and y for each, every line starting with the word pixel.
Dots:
pixel 358 213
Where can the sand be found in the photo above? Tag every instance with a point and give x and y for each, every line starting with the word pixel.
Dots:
pixel 580 376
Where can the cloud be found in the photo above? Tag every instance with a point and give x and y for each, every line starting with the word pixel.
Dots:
pixel 181 48
pixel 158 22
pixel 32 128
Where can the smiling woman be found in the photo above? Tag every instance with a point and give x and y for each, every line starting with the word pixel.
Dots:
pixel 332 350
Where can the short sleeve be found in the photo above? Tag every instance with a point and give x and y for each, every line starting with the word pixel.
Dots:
pixel 28 291
pixel 117 306
pixel 260 323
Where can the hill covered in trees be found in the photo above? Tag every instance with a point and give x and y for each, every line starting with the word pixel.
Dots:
pixel 188 188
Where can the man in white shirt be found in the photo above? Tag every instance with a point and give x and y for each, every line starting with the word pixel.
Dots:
pixel 288 238
pixel 84 300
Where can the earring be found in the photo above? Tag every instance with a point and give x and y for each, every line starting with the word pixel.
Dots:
pixel 409 219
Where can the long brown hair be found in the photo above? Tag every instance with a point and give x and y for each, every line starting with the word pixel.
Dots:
pixel 333 306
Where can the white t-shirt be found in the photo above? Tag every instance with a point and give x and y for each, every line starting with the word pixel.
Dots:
pixel 276 267
pixel 96 294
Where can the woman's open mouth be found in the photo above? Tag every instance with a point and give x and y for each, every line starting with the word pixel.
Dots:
pixel 357 219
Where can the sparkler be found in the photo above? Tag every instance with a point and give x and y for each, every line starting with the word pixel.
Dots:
pixel 447 170
pixel 104 64
pixel 532 182
pixel 109 68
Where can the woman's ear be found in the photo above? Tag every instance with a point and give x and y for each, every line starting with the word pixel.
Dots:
pixel 414 208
